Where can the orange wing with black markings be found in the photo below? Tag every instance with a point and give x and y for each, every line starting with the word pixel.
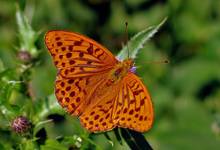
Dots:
pixel 133 107
pixel 128 105
pixel 90 85
pixel 82 63
pixel 73 93
pixel 76 55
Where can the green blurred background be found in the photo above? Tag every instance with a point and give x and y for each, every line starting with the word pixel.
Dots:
pixel 185 92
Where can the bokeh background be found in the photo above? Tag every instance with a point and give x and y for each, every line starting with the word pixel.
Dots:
pixel 185 92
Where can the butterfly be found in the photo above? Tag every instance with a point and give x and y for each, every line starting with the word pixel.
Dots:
pixel 93 85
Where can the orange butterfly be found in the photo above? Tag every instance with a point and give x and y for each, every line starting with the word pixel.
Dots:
pixel 93 85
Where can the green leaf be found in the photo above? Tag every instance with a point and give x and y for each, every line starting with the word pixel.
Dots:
pixel 137 41
pixel 27 35
pixel 117 135
pixel 47 106
pixel 72 141
pixel 39 125
pixel 7 89
pixel 28 145
pixel 88 142
pixel 108 138
pixel 52 144
pixel 9 83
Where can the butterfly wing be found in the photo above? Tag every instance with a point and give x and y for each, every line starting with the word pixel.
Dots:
pixel 73 93
pixel 128 105
pixel 82 65
pixel 98 116
pixel 133 107
pixel 76 55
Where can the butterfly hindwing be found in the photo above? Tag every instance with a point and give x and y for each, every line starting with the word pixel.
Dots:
pixel 73 93
pixel 98 116
pixel 133 108
pixel 130 107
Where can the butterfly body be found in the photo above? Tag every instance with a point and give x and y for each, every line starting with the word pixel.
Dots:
pixel 93 85
pixel 120 71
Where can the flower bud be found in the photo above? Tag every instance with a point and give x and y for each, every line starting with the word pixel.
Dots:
pixel 24 56
pixel 20 125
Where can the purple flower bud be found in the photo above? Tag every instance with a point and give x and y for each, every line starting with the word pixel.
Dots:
pixel 133 69
pixel 20 124
pixel 24 56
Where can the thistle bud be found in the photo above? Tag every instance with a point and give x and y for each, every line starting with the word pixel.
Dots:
pixel 24 56
pixel 20 125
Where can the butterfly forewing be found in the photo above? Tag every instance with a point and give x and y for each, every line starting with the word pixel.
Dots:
pixel 82 63
pixel 76 55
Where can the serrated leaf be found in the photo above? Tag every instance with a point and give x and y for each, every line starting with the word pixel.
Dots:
pixel 27 35
pixel 137 41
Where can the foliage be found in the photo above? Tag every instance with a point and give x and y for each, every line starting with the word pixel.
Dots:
pixel 185 92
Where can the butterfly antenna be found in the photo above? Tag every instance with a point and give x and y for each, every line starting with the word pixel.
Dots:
pixel 126 32
pixel 165 61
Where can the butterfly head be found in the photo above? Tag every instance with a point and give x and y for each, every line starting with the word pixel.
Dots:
pixel 128 64
pixel 124 67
